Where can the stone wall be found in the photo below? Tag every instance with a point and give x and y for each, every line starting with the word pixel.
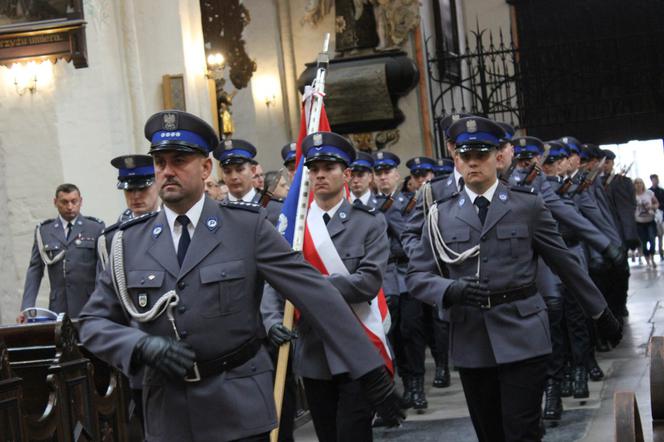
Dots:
pixel 81 118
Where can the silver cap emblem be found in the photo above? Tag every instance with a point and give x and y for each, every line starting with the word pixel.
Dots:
pixel 170 121
pixel 471 126
pixel 318 139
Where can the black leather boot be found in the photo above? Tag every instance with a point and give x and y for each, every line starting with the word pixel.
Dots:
pixel 594 371
pixel 442 378
pixel 566 386
pixel 419 398
pixel 553 404
pixel 408 391
pixel 580 383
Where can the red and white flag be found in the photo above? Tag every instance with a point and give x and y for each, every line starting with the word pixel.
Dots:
pixel 321 253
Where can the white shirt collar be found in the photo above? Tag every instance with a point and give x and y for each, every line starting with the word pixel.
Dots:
pixel 248 197
pixel 194 214
pixel 457 177
pixel 64 222
pixel 364 198
pixel 488 194
pixel 314 207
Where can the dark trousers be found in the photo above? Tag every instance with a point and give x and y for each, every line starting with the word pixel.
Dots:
pixel 556 328
pixel 505 401
pixel 576 324
pixel 265 437
pixel 339 410
pixel 437 334
pixel 412 334
pixel 394 335
pixel 647 233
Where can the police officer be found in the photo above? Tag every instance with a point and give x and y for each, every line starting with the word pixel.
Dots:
pixel 66 247
pixel 288 157
pixel 189 281
pixel 407 331
pixel 339 408
pixel 488 237
pixel 136 179
pixel 361 179
pixel 238 166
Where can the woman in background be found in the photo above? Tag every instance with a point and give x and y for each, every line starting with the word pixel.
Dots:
pixel 646 206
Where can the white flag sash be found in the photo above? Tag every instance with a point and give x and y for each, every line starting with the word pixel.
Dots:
pixel 367 312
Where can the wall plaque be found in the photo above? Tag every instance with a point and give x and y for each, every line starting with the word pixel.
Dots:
pixel 44 30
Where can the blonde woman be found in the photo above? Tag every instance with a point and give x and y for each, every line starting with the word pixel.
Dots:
pixel 646 206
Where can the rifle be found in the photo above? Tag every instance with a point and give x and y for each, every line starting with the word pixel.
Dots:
pixel 535 169
pixel 268 194
pixel 507 173
pixel 389 199
pixel 588 179
pixel 301 216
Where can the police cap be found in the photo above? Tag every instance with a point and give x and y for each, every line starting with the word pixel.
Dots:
pixel 327 146
pixel 385 160
pixel 235 151
pixel 475 133
pixel 443 166
pixel 181 131
pixel 288 153
pixel 557 151
pixel 526 148
pixel 572 145
pixel 363 162
pixel 509 132
pixel 134 171
pixel 445 123
pixel 420 165
pixel 608 154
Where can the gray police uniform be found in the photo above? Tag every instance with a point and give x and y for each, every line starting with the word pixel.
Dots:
pixel 233 250
pixel 359 235
pixel 71 264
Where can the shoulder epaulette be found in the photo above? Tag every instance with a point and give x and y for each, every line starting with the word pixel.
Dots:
pixel 242 205
pixel 447 198
pixel 110 228
pixel 138 220
pixel 438 178
pixel 524 189
pixel 92 218
pixel 363 207
pixel 46 221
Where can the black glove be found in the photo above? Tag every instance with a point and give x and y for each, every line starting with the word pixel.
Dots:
pixel 279 334
pixel 614 255
pixel 466 291
pixel 383 397
pixel 166 355
pixel 608 327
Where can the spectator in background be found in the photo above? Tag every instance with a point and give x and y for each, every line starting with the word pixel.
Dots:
pixel 646 205
pixel 281 189
pixel 213 189
pixel 659 194
pixel 258 180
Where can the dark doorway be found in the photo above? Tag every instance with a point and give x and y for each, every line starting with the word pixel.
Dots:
pixel 591 68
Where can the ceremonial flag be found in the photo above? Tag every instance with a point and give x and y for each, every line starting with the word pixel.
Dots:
pixel 318 249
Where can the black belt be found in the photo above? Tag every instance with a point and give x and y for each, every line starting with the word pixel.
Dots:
pixel 229 361
pixel 505 296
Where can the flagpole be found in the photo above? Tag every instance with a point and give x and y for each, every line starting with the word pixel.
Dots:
pixel 300 219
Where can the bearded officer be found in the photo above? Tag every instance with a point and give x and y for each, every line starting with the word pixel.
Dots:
pixel 65 245
pixel 189 281
pixel 487 239
pixel 236 158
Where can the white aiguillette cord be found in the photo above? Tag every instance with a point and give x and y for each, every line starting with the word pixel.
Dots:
pixel 438 246
pixel 42 252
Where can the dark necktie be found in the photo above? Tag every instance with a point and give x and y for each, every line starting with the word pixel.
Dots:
pixel 483 206
pixel 461 184
pixel 69 226
pixel 326 218
pixel 357 201
pixel 185 239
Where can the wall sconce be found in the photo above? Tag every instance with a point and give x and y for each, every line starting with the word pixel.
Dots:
pixel 265 89
pixel 26 75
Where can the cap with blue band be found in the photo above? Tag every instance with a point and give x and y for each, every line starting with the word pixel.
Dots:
pixel 476 133
pixel 181 131
pixel 385 160
pixel 134 171
pixel 235 151
pixel 328 146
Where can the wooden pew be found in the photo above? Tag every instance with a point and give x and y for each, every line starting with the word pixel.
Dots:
pixel 67 393
pixel 11 400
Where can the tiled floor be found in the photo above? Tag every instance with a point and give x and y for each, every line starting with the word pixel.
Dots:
pixel 626 368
